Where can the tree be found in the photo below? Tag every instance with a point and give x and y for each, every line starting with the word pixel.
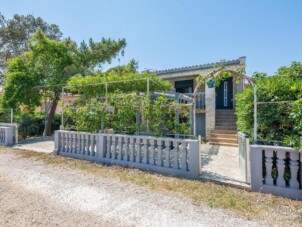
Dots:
pixel 15 33
pixel 294 71
pixel 88 58
pixel 48 65
pixel 121 70
pixel 259 75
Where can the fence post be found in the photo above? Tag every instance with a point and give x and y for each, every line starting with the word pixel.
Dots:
pixel 57 141
pixel 8 136
pixel 256 168
pixel 101 146
pixel 195 161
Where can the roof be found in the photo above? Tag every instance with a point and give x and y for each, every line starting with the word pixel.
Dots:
pixel 238 61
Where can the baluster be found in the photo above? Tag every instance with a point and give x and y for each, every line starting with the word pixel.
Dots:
pixel 184 153
pixel 159 152
pixel 126 148
pixel 83 143
pixel 76 142
pixel 108 144
pixel 85 151
pixel 93 145
pixel 269 165
pixel 131 149
pixel 139 149
pixel 114 147
pixel 89 144
pixel 294 167
pixel 175 155
pixel 73 142
pixel 281 155
pixel 167 153
pixel 145 149
pixel 68 142
pixel 152 151
pixel 62 141
pixel 119 148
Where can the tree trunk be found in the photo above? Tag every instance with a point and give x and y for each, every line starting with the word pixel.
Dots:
pixel 47 129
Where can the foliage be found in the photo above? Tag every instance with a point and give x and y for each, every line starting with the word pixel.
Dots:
pixel 15 33
pixel 220 74
pixel 33 124
pixel 128 82
pixel 19 81
pixel 88 58
pixel 276 121
pixel 50 64
pixel 259 75
pixel 128 113
pixel 27 126
pixel 294 71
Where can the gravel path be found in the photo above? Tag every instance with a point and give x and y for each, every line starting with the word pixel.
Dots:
pixel 33 193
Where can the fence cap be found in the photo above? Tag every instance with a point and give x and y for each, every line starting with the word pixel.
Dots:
pixel 270 147
pixel 132 136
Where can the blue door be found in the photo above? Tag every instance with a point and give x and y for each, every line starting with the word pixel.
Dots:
pixel 224 94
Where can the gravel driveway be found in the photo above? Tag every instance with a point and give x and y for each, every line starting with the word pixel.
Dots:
pixel 34 193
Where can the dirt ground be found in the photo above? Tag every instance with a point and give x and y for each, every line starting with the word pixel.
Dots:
pixel 33 193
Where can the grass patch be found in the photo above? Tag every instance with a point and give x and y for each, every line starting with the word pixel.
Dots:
pixel 247 204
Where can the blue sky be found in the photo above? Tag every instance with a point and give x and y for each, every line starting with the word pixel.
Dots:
pixel 173 33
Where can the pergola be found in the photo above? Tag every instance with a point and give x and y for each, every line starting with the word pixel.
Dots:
pixel 241 75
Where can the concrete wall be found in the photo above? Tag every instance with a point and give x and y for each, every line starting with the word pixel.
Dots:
pixel 210 110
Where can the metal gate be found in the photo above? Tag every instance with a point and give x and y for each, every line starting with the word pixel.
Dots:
pixel 244 156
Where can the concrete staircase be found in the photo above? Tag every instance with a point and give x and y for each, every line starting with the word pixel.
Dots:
pixel 225 132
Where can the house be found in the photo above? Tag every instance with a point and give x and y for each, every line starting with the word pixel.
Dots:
pixel 215 119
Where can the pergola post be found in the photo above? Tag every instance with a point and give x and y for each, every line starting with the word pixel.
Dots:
pixel 255 114
pixel 62 114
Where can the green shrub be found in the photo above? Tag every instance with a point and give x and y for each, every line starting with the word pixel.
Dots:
pixel 27 126
pixel 276 121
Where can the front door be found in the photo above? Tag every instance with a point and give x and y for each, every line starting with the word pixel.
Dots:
pixel 224 94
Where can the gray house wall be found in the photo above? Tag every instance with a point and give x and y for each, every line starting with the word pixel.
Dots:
pixel 201 124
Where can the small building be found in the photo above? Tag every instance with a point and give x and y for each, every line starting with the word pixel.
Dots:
pixel 215 117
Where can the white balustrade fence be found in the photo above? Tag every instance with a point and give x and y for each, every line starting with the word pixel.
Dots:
pixel 170 156
pixel 276 170
pixel 6 136
pixel 14 128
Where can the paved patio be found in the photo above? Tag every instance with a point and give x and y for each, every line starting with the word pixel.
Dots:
pixel 221 164
pixel 39 144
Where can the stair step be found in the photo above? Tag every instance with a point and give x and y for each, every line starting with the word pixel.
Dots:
pixel 228 123
pixel 223 140
pixel 226 127
pixel 226 116
pixel 223 136
pixel 221 131
pixel 224 144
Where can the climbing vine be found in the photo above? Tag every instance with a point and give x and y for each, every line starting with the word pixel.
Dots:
pixel 219 74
